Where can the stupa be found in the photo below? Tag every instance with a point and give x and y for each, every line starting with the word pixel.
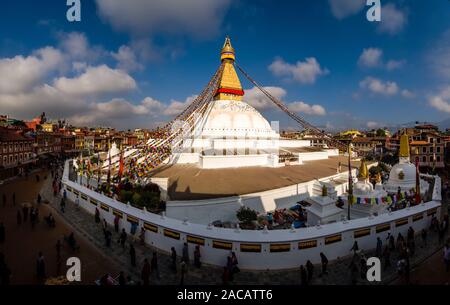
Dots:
pixel 232 133
pixel 403 175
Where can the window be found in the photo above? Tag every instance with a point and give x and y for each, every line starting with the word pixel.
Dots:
pixel 438 140
pixel 424 159
pixel 424 150
pixel 431 159
pixel 438 159
pixel 438 149
pixel 431 150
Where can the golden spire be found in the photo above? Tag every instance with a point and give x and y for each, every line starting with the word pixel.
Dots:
pixel 404 146
pixel 363 172
pixel 227 50
pixel 230 87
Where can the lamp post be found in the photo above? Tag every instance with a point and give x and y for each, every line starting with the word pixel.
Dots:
pixel 350 181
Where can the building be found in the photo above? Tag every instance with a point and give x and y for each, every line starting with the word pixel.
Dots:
pixel 16 152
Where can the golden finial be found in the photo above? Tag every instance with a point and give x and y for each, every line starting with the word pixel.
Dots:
pixel 404 146
pixel 227 50
pixel 363 172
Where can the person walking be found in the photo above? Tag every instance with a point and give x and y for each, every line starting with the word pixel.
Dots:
pixel 132 256
pixel 310 269
pixel 379 250
pixel 116 223
pixel 173 265
pixel 142 236
pixel 63 205
pixel 197 256
pixel 145 273
pixel 123 238
pixel 355 247
pixel 324 262
pixel 154 265
pixel 185 257
pixel 108 237
pixel 97 215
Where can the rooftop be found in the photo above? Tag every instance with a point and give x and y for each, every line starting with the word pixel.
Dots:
pixel 188 182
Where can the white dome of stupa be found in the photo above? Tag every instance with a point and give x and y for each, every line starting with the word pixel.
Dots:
pixel 236 118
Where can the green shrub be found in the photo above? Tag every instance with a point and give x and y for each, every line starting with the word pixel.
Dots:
pixel 246 215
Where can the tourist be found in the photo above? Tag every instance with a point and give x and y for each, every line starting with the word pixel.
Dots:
pixel 154 265
pixel 391 242
pixel 355 247
pixel 40 266
pixel 19 218
pixel 324 262
pixel 142 236
pixel 400 241
pixel 230 268
pixel 108 237
pixel 104 226
pixel 185 257
pixel 97 215
pixel 310 269
pixel 116 223
pixel 234 263
pixel 133 228
pixel 145 274
pixel 379 247
pixel 423 234
pixel 2 233
pixel 132 256
pixel 123 238
pixel 62 205
pixel 340 203
pixel 303 276
pixel 197 256
pixel 173 265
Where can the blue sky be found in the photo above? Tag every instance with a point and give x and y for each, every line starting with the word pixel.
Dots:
pixel 137 63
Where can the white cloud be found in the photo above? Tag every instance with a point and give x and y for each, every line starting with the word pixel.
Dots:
pixel 407 94
pixel 76 46
pixel 379 87
pixel 176 107
pixel 373 125
pixel 305 72
pixel 307 109
pixel 199 18
pixel 257 99
pixel 373 58
pixel 127 59
pixel 345 8
pixel 395 64
pixel 441 101
pixel 21 73
pixel 96 80
pixel 393 20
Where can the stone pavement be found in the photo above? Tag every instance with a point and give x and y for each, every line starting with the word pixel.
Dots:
pixel 339 272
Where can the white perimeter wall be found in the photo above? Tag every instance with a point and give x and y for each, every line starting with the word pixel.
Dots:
pixel 334 240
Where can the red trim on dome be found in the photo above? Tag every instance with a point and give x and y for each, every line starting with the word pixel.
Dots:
pixel 230 91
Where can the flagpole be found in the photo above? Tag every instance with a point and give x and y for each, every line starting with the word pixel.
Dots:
pixel 350 182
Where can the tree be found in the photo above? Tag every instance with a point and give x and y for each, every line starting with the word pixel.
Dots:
pixel 246 215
